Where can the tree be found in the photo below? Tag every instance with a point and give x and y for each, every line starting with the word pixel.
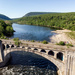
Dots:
pixel 3 24
pixel 9 30
pixel 1 29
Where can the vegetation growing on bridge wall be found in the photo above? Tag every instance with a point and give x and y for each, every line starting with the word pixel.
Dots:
pixel 61 43
pixel 17 42
pixel 64 44
pixel 44 42
pixel 32 40
pixel 15 39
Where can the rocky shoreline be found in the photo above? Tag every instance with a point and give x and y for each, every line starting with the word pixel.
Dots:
pixel 61 36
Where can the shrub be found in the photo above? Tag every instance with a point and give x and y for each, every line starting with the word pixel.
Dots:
pixel 3 37
pixel 61 43
pixel 32 41
pixel 16 39
pixel 69 45
pixel 44 42
pixel 17 43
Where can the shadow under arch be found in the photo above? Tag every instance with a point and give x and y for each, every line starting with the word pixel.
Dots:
pixel 51 53
pixel 3 46
pixel 35 49
pixel 60 56
pixel 31 59
pixel 12 46
pixel 43 51
pixel 7 46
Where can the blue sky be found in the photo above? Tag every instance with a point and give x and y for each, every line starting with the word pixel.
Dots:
pixel 18 8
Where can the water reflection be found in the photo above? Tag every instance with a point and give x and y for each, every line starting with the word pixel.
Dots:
pixel 29 32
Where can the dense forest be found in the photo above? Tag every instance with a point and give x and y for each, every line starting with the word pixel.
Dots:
pixel 57 20
pixel 5 29
pixel 36 13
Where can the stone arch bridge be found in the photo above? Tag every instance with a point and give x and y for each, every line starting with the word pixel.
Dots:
pixel 63 59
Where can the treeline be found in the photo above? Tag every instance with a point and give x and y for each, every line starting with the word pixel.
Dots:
pixel 36 13
pixel 57 20
pixel 5 29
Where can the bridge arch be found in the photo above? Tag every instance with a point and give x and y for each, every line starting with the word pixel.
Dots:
pixel 35 49
pixel 55 68
pixel 7 46
pixel 60 56
pixel 29 47
pixel 43 51
pixel 12 46
pixel 51 53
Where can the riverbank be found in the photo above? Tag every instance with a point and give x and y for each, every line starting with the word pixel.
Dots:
pixel 62 36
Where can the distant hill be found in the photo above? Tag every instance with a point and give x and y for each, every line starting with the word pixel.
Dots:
pixel 56 20
pixel 36 13
pixel 3 17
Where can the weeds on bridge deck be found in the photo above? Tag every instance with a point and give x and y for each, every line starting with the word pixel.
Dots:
pixel 64 44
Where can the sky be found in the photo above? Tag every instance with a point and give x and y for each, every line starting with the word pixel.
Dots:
pixel 18 8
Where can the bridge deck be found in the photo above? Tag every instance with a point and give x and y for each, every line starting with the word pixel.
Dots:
pixel 40 45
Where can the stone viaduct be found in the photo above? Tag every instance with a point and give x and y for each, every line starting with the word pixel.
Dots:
pixel 63 58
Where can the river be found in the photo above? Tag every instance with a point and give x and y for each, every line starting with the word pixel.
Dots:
pixel 30 32
pixel 26 63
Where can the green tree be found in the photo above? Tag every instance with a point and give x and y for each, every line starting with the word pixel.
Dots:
pixel 3 24
pixel 1 29
pixel 9 30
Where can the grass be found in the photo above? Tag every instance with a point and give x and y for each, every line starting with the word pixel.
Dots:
pixel 71 35
pixel 69 45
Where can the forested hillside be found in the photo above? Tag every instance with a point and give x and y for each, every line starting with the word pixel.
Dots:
pixel 5 29
pixel 57 20
pixel 36 13
pixel 3 17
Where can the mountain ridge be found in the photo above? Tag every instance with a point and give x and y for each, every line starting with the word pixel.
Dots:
pixel 36 13
pixel 3 17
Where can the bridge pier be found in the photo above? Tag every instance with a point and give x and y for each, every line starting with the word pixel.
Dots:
pixel 10 46
pixel 55 54
pixel 60 72
pixel 39 50
pixel 32 48
pixel 5 46
pixel 47 51
pixel 1 52
pixel 15 46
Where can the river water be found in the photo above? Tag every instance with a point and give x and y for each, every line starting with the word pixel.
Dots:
pixel 26 63
pixel 30 32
